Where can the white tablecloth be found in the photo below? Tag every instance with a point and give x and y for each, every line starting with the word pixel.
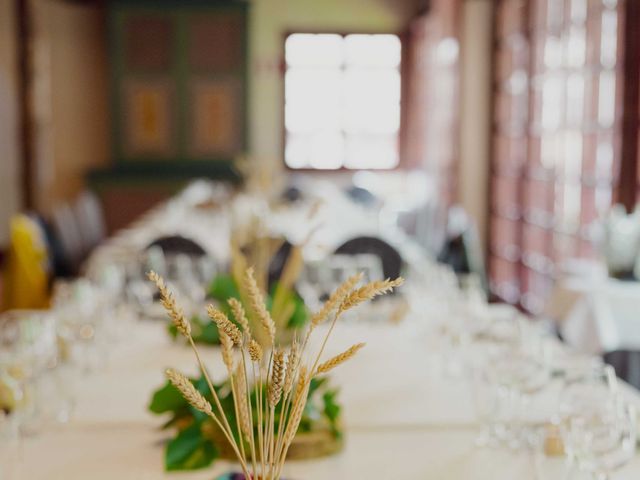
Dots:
pixel 403 418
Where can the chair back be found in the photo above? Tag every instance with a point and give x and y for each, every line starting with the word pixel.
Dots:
pixel 626 364
pixel 90 221
pixel 67 229
pixel 177 245
pixel 389 257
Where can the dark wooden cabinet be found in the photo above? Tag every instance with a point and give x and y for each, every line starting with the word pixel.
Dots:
pixel 178 84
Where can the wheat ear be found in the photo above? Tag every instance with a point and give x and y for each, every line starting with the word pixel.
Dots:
pixel 357 296
pixel 189 392
pixel 276 384
pixel 335 299
pixel 258 306
pixel 255 351
pixel 239 314
pixel 225 325
pixel 245 419
pixel 278 373
pixel 338 359
pixel 369 291
pixel 168 302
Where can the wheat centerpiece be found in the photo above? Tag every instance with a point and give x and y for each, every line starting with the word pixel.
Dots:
pixel 265 419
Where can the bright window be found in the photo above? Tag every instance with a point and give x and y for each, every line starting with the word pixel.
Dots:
pixel 342 101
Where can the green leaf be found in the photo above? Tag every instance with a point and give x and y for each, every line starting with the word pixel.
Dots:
pixel 300 313
pixel 209 334
pixel 222 288
pixel 190 450
pixel 166 399
pixel 315 384
pixel 173 331
pixel 332 411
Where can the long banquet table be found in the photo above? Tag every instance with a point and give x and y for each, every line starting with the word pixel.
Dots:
pixel 404 418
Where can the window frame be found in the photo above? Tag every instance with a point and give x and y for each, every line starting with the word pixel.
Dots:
pixel 403 100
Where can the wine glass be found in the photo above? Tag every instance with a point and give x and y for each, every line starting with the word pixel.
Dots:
pixel 588 391
pixel 601 435
pixel 613 440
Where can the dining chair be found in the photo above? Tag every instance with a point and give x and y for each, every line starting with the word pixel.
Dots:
pixel 90 220
pixel 626 364
pixel 176 245
pixel 66 227
pixel 390 258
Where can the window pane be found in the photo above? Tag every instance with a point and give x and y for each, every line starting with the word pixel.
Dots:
pixel 322 150
pixel 551 102
pixel 576 46
pixel 371 151
pixel 575 99
pixel 373 50
pixel 312 99
pixel 327 150
pixel 342 101
pixel 552 52
pixel 609 41
pixel 578 10
pixel 296 151
pixel 317 50
pixel 572 156
pixel 607 99
pixel 372 101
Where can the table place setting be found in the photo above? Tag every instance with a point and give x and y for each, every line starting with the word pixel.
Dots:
pixel 172 359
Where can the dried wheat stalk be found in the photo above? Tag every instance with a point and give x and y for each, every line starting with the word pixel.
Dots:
pixel 335 299
pixel 255 351
pixel 189 392
pixel 368 292
pixel 245 419
pixel 258 305
pixel 284 373
pixel 227 351
pixel 239 314
pixel 338 359
pixel 175 313
pixel 225 325
pixel 168 302
pixel 277 377
pixel 292 361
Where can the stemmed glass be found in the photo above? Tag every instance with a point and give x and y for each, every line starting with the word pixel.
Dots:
pixel 601 436
pixel 597 427
pixel 29 362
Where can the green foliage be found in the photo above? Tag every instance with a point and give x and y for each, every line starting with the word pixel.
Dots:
pixel 192 448
pixel 202 331
pixel 224 287
pixel 332 411
pixel 221 289
pixel 166 399
pixel 189 450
